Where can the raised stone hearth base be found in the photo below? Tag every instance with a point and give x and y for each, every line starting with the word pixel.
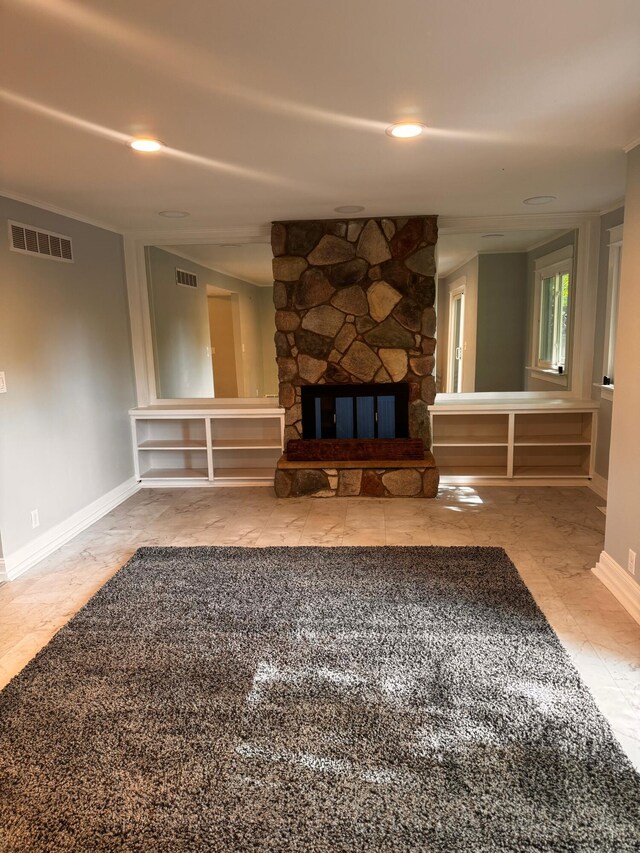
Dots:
pixel 375 479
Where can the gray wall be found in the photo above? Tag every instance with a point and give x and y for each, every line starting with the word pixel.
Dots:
pixel 569 239
pixel 608 220
pixel 180 322
pixel 502 312
pixel 65 347
pixel 268 327
pixel 623 506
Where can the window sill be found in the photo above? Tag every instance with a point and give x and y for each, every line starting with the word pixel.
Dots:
pixel 548 375
pixel 606 391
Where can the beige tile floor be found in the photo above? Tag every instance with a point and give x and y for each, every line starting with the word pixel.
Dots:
pixel 553 535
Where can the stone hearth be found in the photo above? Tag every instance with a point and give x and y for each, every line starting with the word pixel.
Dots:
pixel 354 303
pixel 375 479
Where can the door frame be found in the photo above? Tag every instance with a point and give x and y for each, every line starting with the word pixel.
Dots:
pixel 455 294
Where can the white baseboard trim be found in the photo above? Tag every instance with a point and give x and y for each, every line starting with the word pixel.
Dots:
pixel 619 583
pixel 26 557
pixel 599 485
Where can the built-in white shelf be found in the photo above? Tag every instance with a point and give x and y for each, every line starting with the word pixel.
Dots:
pixel 246 444
pixel 472 440
pixel 173 444
pixel 175 474
pixel 243 474
pixel 231 443
pixel 526 440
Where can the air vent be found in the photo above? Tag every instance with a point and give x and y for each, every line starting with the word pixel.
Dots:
pixel 187 279
pixel 32 241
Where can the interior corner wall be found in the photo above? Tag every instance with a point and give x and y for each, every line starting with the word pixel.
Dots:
pixel 221 325
pixel 623 505
pixel 65 348
pixel 608 220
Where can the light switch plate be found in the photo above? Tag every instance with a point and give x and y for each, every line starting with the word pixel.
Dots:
pixel 3 383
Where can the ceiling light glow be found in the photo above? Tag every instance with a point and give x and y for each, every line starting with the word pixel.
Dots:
pixel 145 144
pixel 174 214
pixel 540 199
pixel 405 130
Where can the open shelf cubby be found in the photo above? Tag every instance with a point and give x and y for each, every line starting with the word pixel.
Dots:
pixel 481 461
pixel 470 430
pixel 547 428
pixel 551 461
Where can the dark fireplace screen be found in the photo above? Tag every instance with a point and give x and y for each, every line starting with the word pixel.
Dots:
pixel 355 411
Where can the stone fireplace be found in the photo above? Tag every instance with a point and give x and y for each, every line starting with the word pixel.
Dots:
pixel 355 312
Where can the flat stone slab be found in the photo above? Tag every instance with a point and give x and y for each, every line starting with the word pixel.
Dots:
pixel 427 462
pixel 384 478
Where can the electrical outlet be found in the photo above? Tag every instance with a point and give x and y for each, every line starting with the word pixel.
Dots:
pixel 631 563
pixel 3 383
pixel 35 518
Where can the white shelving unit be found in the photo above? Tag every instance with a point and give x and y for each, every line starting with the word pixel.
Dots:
pixel 539 441
pixel 236 443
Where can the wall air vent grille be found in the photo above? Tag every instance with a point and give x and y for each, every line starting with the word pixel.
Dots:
pixel 33 241
pixel 186 279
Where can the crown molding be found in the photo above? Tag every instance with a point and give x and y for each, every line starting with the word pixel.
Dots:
pixel 513 222
pixel 631 145
pixel 540 243
pixel 458 266
pixel 60 211
pixel 615 205
pixel 202 236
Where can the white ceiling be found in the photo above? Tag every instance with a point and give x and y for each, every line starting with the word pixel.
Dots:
pixel 276 110
pixel 456 249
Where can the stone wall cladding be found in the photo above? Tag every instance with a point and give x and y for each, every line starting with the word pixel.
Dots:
pixel 420 481
pixel 355 303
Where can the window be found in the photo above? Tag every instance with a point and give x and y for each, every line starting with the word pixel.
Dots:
pixel 613 282
pixel 554 316
pixel 554 278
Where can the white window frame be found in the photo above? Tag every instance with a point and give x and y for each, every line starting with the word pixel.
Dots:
pixel 558 262
pixel 613 290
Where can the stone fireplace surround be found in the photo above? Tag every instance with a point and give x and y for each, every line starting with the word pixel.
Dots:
pixel 354 303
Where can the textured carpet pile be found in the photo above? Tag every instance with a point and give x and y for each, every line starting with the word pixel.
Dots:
pixel 316 700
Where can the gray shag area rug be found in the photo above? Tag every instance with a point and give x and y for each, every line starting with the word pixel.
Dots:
pixel 310 699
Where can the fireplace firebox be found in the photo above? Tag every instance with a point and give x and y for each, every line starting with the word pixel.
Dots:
pixel 356 411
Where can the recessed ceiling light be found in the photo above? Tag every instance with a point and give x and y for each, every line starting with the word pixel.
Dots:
pixel 174 214
pixel 405 129
pixel 145 144
pixel 540 199
pixel 230 245
pixel 493 235
pixel 349 208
